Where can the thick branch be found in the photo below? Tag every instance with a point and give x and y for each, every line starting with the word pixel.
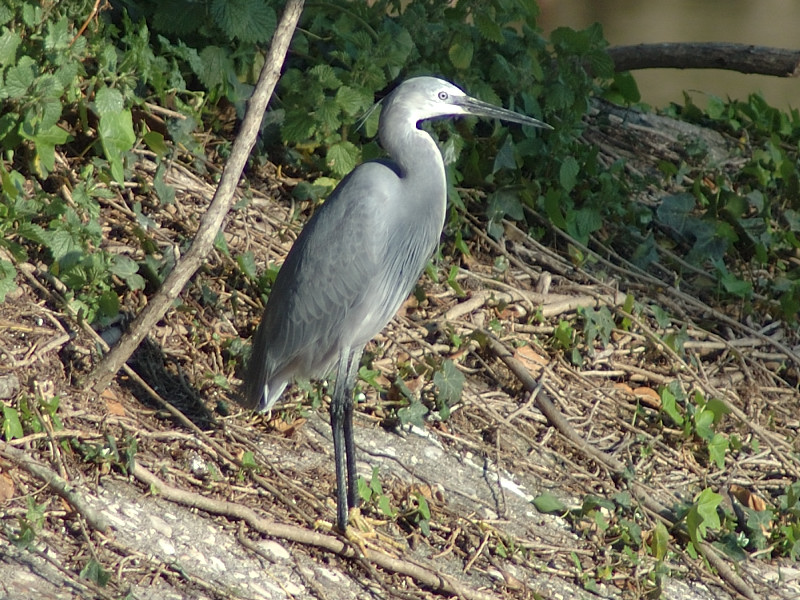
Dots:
pixel 67 491
pixel 219 207
pixel 429 577
pixel 744 58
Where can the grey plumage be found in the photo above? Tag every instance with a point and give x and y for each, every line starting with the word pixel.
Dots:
pixel 356 261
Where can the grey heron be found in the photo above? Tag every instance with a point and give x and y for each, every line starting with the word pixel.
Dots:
pixel 356 261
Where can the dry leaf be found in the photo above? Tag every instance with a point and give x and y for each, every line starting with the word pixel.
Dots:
pixel 7 489
pixel 648 397
pixel 531 359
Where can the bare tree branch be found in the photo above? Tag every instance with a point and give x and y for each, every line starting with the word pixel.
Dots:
pixel 63 488
pixel 219 207
pixel 744 58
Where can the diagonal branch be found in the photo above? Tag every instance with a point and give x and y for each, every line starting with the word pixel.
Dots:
pixel 219 207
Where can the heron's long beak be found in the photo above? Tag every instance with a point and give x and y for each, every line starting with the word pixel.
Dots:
pixel 479 108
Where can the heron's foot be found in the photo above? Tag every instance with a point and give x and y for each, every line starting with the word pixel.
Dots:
pixel 362 532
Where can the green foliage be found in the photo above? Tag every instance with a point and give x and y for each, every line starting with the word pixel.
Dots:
pixel 549 504
pixel 702 515
pixel 735 221
pixel 29 524
pixel 371 492
pixel 94 572
pixel 449 383
pixel 27 417
pixel 49 72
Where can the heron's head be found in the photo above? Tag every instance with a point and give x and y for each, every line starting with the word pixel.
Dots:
pixel 423 98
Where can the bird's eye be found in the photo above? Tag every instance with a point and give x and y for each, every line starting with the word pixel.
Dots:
pixel 443 96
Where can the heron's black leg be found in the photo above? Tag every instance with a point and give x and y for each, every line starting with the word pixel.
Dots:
pixel 344 448
pixel 338 410
pixel 349 439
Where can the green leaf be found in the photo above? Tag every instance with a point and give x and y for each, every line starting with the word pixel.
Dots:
pixel 9 42
pixel 659 543
pixel 108 100
pixel 247 264
pixel 413 414
pixel 93 571
pixel 351 101
pixel 703 421
pixel 506 157
pixel 58 36
pixel 364 491
pixel 384 506
pixel 717 448
pixel 489 28
pixel 703 515
pixel 460 54
pixel 248 20
pixel 568 173
pixel 45 142
pixel 504 203
pixel 155 142
pixel 214 62
pixel 117 136
pixel 625 85
pixel 12 428
pixel 20 78
pixel 449 383
pixel 342 157
pixel 669 406
pixel 7 278
pixel 424 509
pixel 549 504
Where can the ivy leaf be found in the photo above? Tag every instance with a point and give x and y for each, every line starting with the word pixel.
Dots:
pixel 504 204
pixel 669 406
pixel 703 422
pixel 703 515
pixel 413 414
pixel 449 383
pixel 717 448
pixel 506 156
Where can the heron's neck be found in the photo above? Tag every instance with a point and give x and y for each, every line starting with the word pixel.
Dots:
pixel 416 153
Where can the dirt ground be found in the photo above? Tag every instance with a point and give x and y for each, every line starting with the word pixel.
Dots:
pixel 162 487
